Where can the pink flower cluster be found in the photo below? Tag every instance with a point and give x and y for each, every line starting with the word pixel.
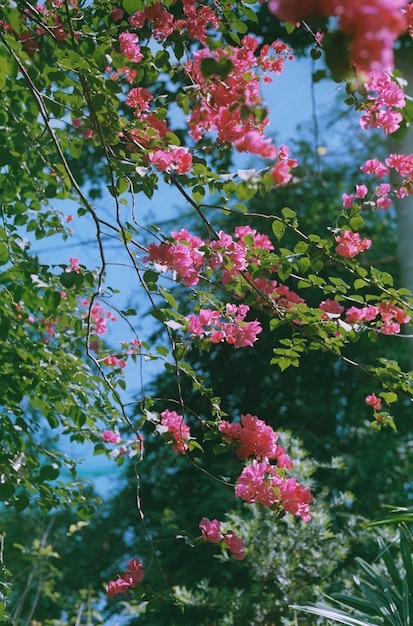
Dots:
pixel 129 47
pixel 400 163
pixel 127 580
pixel 260 482
pixel 99 317
pixel 373 25
pixel 236 332
pixel 380 196
pixel 228 256
pixel 148 127
pixel 198 18
pixel 187 254
pixel 47 20
pixel 255 438
pixel 176 429
pixel 211 531
pixel 281 171
pixel 379 110
pixel 114 361
pixel 227 101
pixel 333 307
pixel 131 447
pixel 350 244
pixel 183 256
pixel 387 316
pixel 255 142
pixel 139 99
pixel 74 266
pixel 176 158
pixel 408 11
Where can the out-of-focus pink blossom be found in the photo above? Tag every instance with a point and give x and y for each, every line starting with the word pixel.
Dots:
pixel 109 436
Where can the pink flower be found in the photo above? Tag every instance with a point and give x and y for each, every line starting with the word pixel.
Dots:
pixel 182 256
pixel 228 104
pixel 162 159
pixel 210 530
pixel 74 266
pixel 379 109
pixel 374 166
pixel 365 314
pixel 350 244
pixel 235 545
pixel 383 203
pixel 136 571
pixel 260 483
pixel 255 143
pixel 373 27
pixel 129 47
pixel 179 159
pixel 254 436
pixel 117 14
pixel 348 200
pixel 113 361
pixel 374 401
pixel 331 306
pixel 280 173
pixel 361 191
pixel 109 436
pixel 177 430
pixel 236 332
pixel 127 580
pixel 139 98
pixel 115 587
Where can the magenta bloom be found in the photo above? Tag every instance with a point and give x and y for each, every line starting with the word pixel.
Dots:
pixel 109 436
pixel 115 587
pixel 235 545
pixel 134 573
pixel 129 47
pixel 127 580
pixel 374 401
pixel 373 26
pixel 260 483
pixel 350 244
pixel 257 439
pixel 210 530
pixel 177 430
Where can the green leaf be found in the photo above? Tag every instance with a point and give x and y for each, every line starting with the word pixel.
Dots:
pixel 122 184
pixel 356 222
pixel 335 615
pixel 389 396
pixel 289 27
pixel 288 213
pixel 278 228
pixel 4 253
pixel 49 472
